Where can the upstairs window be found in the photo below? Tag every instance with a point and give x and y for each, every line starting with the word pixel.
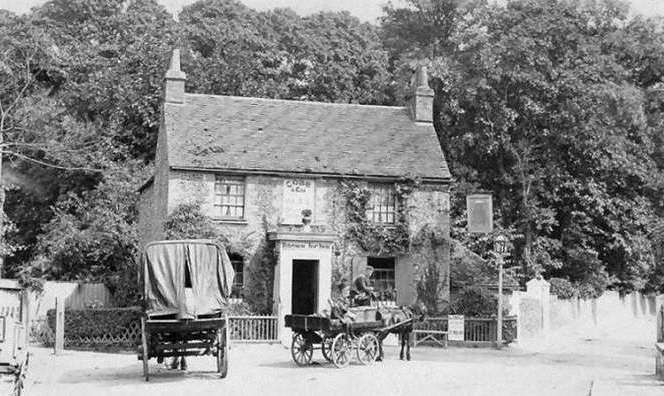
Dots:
pixel 382 206
pixel 230 196
pixel 238 282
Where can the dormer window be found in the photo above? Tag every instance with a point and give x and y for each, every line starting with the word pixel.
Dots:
pixel 382 206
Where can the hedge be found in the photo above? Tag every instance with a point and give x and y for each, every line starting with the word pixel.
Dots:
pixel 96 322
pixel 112 328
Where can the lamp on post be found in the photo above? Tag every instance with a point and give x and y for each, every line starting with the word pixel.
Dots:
pixel 500 248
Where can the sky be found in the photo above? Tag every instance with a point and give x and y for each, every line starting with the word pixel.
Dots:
pixel 366 10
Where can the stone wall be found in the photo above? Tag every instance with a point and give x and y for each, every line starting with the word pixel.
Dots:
pixel 611 316
pixel 428 205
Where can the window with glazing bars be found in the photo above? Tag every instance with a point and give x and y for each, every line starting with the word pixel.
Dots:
pixel 230 194
pixel 382 208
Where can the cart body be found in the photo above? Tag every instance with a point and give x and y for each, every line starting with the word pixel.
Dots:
pixel 186 287
pixel 338 338
pixel 14 321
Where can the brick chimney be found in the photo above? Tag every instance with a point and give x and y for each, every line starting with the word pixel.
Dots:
pixel 174 80
pixel 421 101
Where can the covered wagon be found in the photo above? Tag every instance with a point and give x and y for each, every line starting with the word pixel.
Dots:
pixel 186 288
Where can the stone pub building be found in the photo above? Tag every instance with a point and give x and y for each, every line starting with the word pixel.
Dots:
pixel 306 193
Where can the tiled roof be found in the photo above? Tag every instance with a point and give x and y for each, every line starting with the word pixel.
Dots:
pixel 238 133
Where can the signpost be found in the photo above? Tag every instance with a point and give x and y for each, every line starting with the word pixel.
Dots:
pixel 480 221
pixel 500 247
pixel 455 328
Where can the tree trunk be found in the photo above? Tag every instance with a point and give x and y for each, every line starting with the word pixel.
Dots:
pixel 2 201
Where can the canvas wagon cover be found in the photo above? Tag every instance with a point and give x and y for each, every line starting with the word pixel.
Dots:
pixel 164 269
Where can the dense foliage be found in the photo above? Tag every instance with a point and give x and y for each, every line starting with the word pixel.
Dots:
pixel 476 301
pixel 553 105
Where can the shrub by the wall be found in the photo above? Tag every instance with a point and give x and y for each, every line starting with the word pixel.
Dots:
pixel 475 301
pixel 562 288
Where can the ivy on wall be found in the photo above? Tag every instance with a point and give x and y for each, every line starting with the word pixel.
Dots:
pixel 377 239
pixel 428 247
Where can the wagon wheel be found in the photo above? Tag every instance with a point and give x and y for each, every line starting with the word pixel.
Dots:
pixel 19 381
pixel 326 348
pixel 367 348
pixel 341 350
pixel 222 352
pixel 301 349
pixel 144 344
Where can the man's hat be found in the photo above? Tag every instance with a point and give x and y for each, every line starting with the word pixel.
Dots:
pixel 368 267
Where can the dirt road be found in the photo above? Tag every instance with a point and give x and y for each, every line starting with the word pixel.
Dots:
pixel 587 367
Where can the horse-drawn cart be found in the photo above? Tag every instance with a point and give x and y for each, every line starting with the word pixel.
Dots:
pixel 338 338
pixel 14 320
pixel 186 285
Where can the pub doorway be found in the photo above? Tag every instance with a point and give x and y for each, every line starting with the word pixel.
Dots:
pixel 305 287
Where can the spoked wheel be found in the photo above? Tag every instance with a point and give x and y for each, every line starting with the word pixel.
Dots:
pixel 144 345
pixel 301 349
pixel 326 348
pixel 367 349
pixel 341 350
pixel 19 381
pixel 222 352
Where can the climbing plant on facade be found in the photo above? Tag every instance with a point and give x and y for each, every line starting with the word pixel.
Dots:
pixel 378 239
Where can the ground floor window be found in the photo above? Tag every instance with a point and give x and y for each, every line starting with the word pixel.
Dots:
pixel 238 282
pixel 384 277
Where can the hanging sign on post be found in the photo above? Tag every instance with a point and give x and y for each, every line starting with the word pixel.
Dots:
pixel 480 213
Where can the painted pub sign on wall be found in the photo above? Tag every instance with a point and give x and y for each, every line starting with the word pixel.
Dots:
pixel 299 194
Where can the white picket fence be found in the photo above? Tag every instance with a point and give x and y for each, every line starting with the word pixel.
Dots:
pixel 253 328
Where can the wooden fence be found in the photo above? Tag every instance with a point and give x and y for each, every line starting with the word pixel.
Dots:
pixel 476 330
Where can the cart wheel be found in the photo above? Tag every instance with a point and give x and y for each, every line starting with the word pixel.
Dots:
pixel 222 353
pixel 341 350
pixel 326 348
pixel 301 349
pixel 144 344
pixel 19 381
pixel 367 348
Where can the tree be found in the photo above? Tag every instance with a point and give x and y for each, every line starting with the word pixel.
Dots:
pixel 93 237
pixel 118 53
pixel 234 50
pixel 537 106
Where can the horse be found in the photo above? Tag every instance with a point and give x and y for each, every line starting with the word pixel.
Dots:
pixel 406 315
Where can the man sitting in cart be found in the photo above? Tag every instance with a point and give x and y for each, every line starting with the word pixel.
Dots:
pixel 361 291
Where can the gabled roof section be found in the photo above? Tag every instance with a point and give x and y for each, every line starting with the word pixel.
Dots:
pixel 252 134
